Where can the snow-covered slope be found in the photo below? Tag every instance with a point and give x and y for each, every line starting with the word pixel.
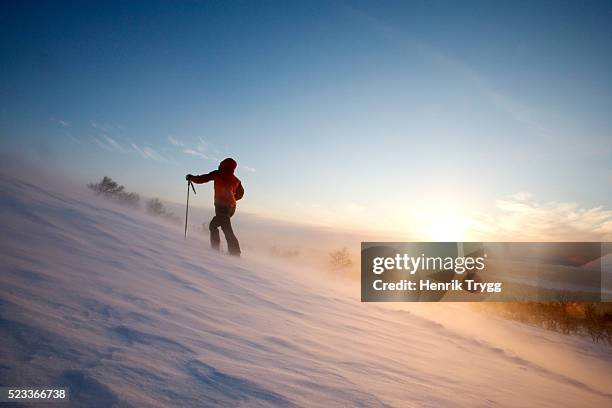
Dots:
pixel 118 307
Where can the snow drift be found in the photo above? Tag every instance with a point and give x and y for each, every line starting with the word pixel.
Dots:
pixel 117 306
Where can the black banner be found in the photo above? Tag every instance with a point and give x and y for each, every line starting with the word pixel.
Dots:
pixel 485 271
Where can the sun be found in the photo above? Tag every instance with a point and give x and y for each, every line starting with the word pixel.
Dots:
pixel 446 228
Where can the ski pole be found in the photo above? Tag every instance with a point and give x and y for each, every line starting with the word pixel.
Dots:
pixel 189 183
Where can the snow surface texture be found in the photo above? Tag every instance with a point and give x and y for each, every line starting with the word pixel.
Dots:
pixel 117 306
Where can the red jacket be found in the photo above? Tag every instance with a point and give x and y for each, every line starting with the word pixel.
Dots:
pixel 228 188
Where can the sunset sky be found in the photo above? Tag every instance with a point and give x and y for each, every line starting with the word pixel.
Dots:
pixel 429 116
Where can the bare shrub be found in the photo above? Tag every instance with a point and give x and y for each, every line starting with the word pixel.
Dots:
pixel 157 209
pixel 561 316
pixel 340 259
pixel 596 325
pixel 109 188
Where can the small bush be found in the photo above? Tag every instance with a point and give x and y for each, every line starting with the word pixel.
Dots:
pixel 340 259
pixel 157 209
pixel 597 325
pixel 109 188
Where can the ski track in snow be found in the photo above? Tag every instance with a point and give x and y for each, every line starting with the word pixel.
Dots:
pixel 117 306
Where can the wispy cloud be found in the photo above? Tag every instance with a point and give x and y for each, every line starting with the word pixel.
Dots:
pixel 247 168
pixel 113 143
pixel 490 93
pixel 61 122
pixel 175 142
pixel 521 218
pixel 202 146
pixel 108 143
pixel 202 149
pixel 74 139
pixel 100 144
pixel 519 111
pixel 107 127
pixel 521 196
pixel 148 152
pixel 195 153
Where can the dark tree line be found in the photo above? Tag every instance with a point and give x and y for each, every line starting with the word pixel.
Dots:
pixel 562 316
pixel 108 188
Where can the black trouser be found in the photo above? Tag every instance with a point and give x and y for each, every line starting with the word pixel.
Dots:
pixel 223 213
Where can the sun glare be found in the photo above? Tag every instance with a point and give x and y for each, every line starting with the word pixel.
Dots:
pixel 446 228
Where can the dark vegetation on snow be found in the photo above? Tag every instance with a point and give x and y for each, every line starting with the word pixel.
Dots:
pixel 340 259
pixel 157 209
pixel 584 318
pixel 110 189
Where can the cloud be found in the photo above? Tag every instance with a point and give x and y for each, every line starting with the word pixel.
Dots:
pixel 107 127
pixel 148 153
pixel 99 126
pixel 521 196
pixel 61 122
pixel 74 140
pixel 175 141
pixel 114 145
pixel 202 146
pixel 247 168
pixel 108 143
pixel 488 91
pixel 195 153
pixel 520 218
pixel 100 144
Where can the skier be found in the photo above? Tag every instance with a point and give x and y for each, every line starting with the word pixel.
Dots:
pixel 228 189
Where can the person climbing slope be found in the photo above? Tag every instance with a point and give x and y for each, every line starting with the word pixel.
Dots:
pixel 228 190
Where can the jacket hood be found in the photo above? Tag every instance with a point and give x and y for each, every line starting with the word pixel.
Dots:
pixel 228 166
